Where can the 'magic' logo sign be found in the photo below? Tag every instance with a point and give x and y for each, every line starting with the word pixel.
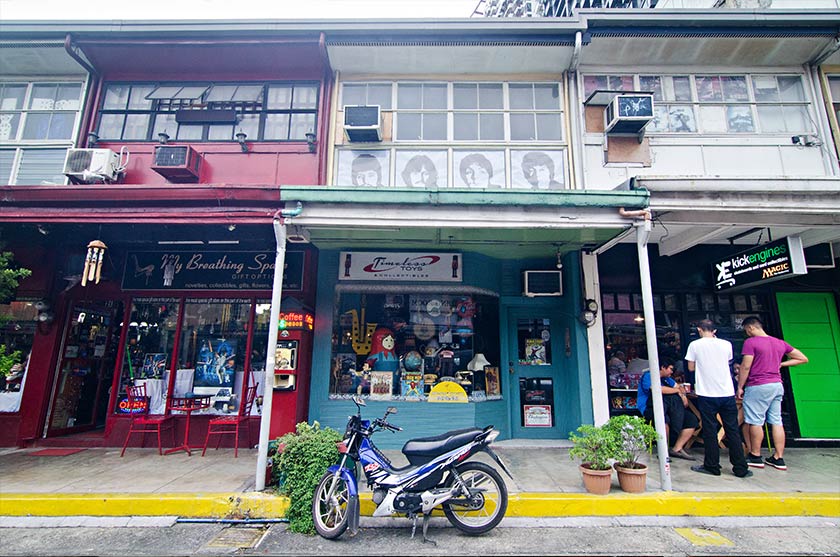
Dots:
pixel 761 264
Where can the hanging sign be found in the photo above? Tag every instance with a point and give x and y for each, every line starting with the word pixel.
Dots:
pixel 400 266
pixel 448 391
pixel 210 270
pixel 760 264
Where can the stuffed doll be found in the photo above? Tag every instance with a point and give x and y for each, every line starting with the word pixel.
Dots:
pixel 382 355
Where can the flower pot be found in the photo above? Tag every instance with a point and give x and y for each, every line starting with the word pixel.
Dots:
pixel 596 481
pixel 632 480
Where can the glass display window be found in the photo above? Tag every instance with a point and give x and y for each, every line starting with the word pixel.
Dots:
pixel 398 346
pixel 17 331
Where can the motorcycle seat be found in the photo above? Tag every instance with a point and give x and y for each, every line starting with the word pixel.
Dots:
pixel 430 447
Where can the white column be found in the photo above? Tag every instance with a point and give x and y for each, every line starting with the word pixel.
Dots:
pixel 595 340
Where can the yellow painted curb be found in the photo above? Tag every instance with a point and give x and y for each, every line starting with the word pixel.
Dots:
pixel 194 505
pixel 267 505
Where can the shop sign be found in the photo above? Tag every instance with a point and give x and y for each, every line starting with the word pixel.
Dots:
pixel 210 270
pixel 537 415
pixel 761 264
pixel 296 320
pixel 140 405
pixel 448 391
pixel 400 266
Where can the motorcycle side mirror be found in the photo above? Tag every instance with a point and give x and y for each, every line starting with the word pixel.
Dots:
pixel 359 401
pixel 391 410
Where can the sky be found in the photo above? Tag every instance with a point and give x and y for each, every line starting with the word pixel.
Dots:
pixel 233 9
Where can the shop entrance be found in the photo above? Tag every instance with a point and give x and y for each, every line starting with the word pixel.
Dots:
pixel 533 373
pixel 85 369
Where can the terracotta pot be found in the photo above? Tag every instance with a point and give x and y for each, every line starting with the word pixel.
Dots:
pixel 596 481
pixel 632 480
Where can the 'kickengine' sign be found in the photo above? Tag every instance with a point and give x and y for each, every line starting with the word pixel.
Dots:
pixel 760 264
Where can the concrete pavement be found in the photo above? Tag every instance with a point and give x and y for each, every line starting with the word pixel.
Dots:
pixel 547 483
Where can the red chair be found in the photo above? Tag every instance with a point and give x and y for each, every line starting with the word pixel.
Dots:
pixel 142 422
pixel 226 425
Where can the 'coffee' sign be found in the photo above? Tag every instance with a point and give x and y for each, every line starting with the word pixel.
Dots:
pixel 766 263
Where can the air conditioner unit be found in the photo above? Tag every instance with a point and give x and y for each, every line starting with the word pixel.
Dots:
pixel 177 163
pixel 628 113
pixel 88 166
pixel 362 123
pixel 542 283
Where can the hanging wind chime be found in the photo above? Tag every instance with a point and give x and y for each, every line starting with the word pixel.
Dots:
pixel 93 262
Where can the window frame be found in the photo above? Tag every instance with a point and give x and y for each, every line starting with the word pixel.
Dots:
pixel 165 110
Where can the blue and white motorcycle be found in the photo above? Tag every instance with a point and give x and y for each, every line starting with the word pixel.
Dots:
pixel 471 494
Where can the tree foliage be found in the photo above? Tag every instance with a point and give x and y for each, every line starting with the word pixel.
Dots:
pixel 10 275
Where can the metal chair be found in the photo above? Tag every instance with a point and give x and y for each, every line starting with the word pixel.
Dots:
pixel 141 421
pixel 227 425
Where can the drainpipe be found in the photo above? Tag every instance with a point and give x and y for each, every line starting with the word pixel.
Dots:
pixel 94 83
pixel 280 219
pixel 643 228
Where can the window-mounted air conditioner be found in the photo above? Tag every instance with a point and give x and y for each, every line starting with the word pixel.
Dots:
pixel 628 113
pixel 177 163
pixel 542 283
pixel 88 166
pixel 362 123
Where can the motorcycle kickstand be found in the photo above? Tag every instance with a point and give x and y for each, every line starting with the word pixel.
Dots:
pixel 426 517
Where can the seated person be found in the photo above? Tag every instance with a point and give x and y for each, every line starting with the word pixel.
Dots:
pixel 675 405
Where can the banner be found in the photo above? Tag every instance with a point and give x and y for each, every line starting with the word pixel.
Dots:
pixel 400 266
pixel 760 264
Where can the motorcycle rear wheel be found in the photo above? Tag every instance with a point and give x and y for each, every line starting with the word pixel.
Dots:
pixel 330 514
pixel 486 508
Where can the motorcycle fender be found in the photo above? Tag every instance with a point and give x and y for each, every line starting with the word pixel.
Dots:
pixel 353 515
pixel 348 476
pixel 498 460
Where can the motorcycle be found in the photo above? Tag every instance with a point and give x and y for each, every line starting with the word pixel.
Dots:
pixel 472 494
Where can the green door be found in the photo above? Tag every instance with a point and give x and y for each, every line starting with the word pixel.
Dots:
pixel 809 323
pixel 535 355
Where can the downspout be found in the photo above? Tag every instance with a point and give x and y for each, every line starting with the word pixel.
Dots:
pixel 325 120
pixel 571 100
pixel 819 86
pixel 280 220
pixel 94 83
pixel 643 228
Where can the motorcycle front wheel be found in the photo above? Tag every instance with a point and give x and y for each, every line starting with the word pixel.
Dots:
pixel 331 506
pixel 484 507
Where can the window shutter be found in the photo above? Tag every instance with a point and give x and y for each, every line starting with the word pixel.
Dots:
pixel 7 159
pixel 42 166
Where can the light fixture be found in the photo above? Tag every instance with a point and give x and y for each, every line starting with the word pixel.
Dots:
pixel 478 362
pixel 638 319
pixel 240 138
pixel 92 139
pixel 310 141
pixel 231 227
pixel 559 259
pixel 163 138
pixel 43 229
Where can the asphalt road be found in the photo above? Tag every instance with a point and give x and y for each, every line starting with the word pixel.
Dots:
pixel 571 536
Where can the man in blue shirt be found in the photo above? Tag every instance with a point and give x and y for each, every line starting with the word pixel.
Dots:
pixel 675 405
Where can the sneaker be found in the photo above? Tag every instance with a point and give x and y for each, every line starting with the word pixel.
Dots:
pixel 748 474
pixel 703 470
pixel 777 463
pixel 754 461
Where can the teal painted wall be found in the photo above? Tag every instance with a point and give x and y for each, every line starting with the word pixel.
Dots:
pixel 417 419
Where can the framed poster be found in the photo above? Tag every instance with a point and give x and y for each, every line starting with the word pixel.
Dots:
pixel 491 378
pixel 364 169
pixel 154 364
pixel 479 169
pixel 216 363
pixel 537 170
pixel 421 169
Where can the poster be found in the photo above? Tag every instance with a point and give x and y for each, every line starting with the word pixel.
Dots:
pixel 216 363
pixel 412 384
pixel 381 384
pixel 538 415
pixel 535 351
pixel 154 364
pixel 491 377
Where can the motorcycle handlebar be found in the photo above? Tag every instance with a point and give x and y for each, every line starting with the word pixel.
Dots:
pixel 385 425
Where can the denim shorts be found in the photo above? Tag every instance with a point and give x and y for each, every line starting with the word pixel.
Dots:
pixel 763 401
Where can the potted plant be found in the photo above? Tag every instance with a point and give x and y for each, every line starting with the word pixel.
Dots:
pixel 635 436
pixel 594 446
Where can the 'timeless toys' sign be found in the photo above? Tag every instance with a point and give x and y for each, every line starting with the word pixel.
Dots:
pixel 400 266
pixel 209 270
pixel 766 263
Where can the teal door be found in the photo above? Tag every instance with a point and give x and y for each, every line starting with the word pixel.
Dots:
pixel 535 353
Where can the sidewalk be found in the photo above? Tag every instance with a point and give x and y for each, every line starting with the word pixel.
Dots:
pixel 547 483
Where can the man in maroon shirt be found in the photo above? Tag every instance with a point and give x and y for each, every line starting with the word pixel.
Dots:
pixel 760 385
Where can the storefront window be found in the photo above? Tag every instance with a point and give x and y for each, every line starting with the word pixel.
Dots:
pixel 17 330
pixel 211 354
pixel 400 346
pixel 149 345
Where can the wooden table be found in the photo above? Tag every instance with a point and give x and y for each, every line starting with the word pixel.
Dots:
pixel 187 405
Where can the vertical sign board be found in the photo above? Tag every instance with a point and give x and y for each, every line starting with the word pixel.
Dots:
pixel 760 264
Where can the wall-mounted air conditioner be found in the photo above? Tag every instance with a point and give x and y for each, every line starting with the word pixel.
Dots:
pixel 89 166
pixel 362 123
pixel 542 283
pixel 628 113
pixel 177 163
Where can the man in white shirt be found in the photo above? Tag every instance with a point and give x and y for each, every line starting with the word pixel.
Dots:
pixel 708 357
